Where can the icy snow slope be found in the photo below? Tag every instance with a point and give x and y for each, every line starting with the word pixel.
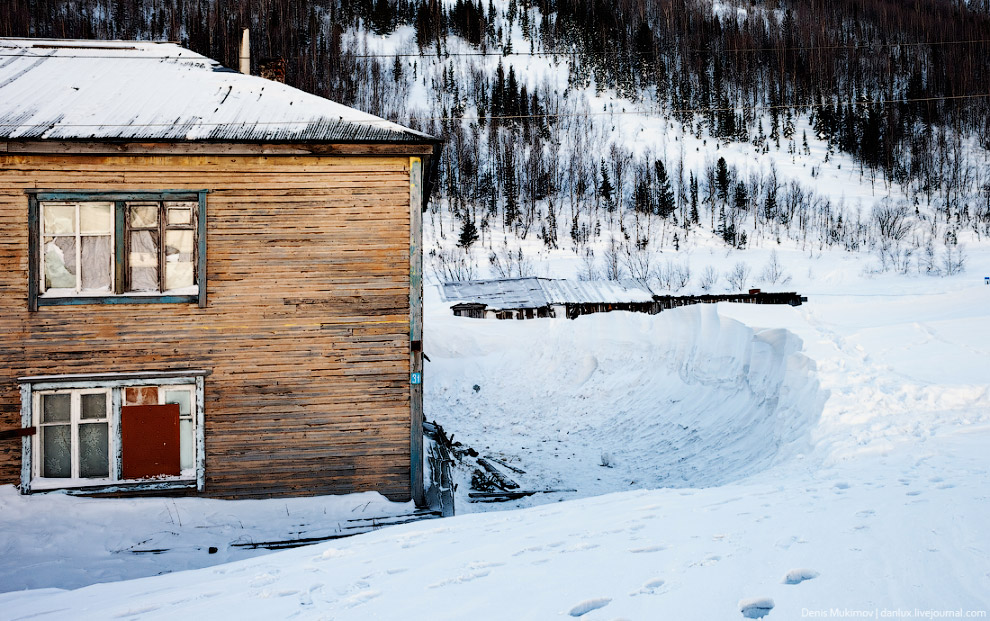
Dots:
pixel 687 398
pixel 57 540
pixel 903 531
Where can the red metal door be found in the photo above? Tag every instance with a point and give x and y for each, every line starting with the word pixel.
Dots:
pixel 149 440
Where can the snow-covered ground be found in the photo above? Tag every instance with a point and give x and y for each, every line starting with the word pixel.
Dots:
pixel 829 459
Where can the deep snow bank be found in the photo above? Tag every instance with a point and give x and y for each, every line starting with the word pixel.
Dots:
pixel 686 398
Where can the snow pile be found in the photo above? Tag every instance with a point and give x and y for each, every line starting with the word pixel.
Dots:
pixel 686 398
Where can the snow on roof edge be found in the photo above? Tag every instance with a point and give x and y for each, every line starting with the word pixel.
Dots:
pixel 166 93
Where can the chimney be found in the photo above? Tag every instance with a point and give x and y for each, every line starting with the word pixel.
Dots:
pixel 245 55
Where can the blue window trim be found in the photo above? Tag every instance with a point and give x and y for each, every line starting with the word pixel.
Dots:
pixel 35 197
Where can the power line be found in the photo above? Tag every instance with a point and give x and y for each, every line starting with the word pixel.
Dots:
pixel 548 53
pixel 742 50
pixel 702 110
pixel 528 116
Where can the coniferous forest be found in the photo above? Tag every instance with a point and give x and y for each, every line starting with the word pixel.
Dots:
pixel 534 100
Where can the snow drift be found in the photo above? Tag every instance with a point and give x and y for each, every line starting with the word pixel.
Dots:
pixel 686 398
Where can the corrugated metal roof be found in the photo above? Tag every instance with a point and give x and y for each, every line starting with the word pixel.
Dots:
pixel 538 292
pixel 596 291
pixel 497 294
pixel 54 89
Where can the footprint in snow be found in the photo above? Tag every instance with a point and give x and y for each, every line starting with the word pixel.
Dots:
pixel 588 605
pixel 797 576
pixel 646 549
pixel 649 588
pixel 756 608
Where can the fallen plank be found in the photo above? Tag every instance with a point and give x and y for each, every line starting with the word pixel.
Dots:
pixel 502 463
pixel 503 481
pixel 513 495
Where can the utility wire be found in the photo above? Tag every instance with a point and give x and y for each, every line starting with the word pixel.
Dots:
pixel 676 111
pixel 548 53
pixel 528 116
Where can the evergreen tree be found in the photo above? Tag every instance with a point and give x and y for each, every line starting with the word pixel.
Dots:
pixel 605 189
pixel 498 91
pixel 722 179
pixel 770 205
pixel 469 233
pixel 740 198
pixel 693 188
pixel 665 195
pixel 511 94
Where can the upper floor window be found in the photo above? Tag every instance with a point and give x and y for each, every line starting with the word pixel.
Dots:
pixel 117 247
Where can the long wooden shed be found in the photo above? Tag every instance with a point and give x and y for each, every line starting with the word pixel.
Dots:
pixel 210 283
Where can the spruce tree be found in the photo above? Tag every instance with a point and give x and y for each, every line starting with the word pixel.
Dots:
pixel 740 198
pixel 665 195
pixel 693 185
pixel 722 179
pixel 469 233
pixel 606 189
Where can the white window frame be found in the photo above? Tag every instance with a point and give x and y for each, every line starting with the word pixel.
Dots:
pixel 34 388
pixel 191 417
pixel 75 419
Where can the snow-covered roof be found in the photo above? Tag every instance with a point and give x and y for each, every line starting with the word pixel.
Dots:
pixel 58 89
pixel 538 292
pixel 596 291
pixel 504 293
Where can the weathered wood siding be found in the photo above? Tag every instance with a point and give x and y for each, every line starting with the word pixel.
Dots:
pixel 306 329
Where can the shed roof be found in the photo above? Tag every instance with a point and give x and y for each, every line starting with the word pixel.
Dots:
pixel 538 292
pixel 596 291
pixel 57 89
pixel 498 294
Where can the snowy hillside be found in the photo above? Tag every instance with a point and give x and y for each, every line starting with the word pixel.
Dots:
pixel 611 136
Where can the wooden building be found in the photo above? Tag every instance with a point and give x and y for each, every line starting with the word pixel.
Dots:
pixel 533 298
pixel 210 283
pixel 537 298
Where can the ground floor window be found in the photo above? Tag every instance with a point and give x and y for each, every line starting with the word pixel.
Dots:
pixel 73 434
pixel 129 428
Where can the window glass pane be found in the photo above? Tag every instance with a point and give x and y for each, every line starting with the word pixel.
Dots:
pixel 141 395
pixel 179 215
pixel 182 398
pixel 179 245
pixel 94 405
pixel 60 263
pixel 143 216
pixel 95 217
pixel 143 259
pixel 95 255
pixel 56 408
pixel 93 450
pixel 179 276
pixel 60 219
pixel 185 444
pixel 56 446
